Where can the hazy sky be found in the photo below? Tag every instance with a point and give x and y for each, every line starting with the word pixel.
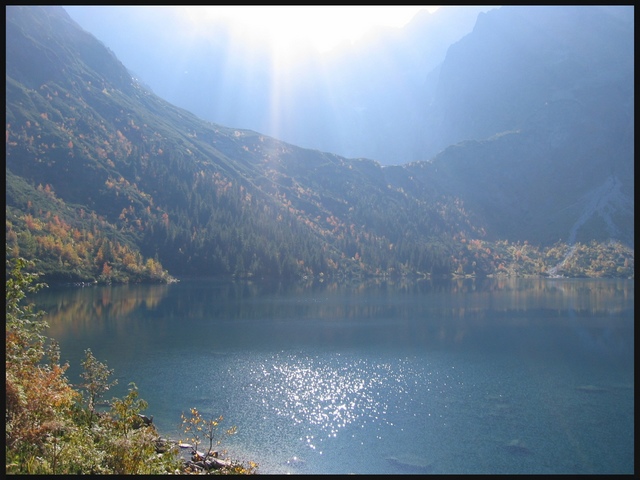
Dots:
pixel 286 30
pixel 324 27
pixel 280 70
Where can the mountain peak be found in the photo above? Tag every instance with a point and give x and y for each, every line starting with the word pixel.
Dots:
pixel 32 35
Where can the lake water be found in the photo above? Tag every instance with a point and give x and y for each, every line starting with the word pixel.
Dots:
pixel 493 376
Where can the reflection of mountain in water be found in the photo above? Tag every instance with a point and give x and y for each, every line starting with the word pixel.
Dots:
pixel 74 308
pixel 449 312
pixel 513 295
pixel 445 374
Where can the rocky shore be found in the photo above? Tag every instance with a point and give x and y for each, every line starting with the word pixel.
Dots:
pixel 193 461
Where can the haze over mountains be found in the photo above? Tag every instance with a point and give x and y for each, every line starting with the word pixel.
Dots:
pixel 365 100
pixel 524 132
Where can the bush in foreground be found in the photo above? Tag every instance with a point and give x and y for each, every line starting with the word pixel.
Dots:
pixel 53 428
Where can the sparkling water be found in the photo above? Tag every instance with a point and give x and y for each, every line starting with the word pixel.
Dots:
pixel 494 376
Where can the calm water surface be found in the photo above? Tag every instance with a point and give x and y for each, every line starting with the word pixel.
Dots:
pixel 493 376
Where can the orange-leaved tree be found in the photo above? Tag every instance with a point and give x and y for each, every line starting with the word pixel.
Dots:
pixel 39 398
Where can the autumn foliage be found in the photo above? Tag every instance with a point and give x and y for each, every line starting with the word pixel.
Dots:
pixel 53 427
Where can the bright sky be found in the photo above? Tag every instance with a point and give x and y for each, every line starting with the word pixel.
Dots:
pixel 289 28
pixel 253 48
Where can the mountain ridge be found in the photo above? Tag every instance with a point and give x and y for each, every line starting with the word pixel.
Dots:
pixel 108 182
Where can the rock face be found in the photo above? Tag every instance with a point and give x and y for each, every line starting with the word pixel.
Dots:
pixel 144 421
pixel 204 462
pixel 519 59
pixel 193 461
pixel 533 122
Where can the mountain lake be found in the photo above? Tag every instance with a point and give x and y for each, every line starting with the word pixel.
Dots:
pixel 492 376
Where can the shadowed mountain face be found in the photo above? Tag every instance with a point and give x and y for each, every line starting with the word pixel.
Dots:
pixel 519 60
pixel 546 95
pixel 93 158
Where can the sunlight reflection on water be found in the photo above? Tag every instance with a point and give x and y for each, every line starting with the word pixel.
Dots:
pixel 327 394
pixel 503 378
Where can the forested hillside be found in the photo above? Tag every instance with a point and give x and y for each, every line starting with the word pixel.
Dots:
pixel 108 182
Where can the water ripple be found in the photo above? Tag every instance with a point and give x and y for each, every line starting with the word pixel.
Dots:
pixel 327 394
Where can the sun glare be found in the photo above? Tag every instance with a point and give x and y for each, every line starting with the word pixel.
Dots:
pixel 291 29
pixel 263 56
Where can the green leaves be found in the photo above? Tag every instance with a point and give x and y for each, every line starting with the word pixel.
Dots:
pixel 25 342
pixel 96 381
pixel 125 411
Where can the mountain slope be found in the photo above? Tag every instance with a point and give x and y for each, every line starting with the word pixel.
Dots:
pixel 200 197
pixel 107 181
pixel 539 103
pixel 554 179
